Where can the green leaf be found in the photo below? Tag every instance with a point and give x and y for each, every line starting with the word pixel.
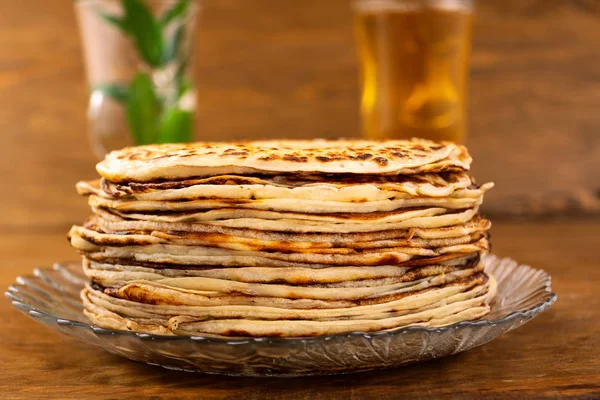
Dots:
pixel 178 9
pixel 176 126
pixel 183 85
pixel 115 91
pixel 182 82
pixel 145 31
pixel 173 45
pixel 119 22
pixel 143 110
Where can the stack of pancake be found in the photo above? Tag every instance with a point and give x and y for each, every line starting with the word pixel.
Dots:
pixel 284 238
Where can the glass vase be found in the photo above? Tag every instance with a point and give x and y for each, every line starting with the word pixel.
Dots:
pixel 138 56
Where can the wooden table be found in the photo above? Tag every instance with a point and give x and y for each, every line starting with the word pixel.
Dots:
pixel 555 355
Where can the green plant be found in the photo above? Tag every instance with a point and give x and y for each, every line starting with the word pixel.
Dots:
pixel 154 114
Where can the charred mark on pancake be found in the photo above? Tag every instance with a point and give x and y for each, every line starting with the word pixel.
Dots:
pixel 295 158
pixel 121 242
pixel 381 161
pixel 243 333
pixel 270 157
pixel 96 286
pixel 163 265
pixel 364 156
pixel 135 293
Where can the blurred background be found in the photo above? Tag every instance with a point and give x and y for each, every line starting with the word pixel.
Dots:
pixel 269 68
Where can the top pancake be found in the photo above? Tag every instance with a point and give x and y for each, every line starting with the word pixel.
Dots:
pixel 187 160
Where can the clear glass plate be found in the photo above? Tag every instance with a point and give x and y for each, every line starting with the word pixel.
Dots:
pixel 51 296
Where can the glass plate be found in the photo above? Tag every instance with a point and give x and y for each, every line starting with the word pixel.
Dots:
pixel 51 296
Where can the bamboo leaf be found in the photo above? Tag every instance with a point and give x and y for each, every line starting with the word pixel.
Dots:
pixel 181 80
pixel 145 30
pixel 119 22
pixel 173 45
pixel 115 91
pixel 143 110
pixel 178 9
pixel 183 85
pixel 176 126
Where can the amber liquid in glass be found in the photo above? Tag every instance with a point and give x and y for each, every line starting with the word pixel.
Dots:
pixel 414 63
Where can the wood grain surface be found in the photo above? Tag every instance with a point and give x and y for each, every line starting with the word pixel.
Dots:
pixel 270 68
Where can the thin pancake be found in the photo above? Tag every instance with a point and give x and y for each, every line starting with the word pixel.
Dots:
pixel 338 187
pixel 414 218
pixel 114 274
pixel 462 199
pixel 117 224
pixel 110 275
pixel 188 160
pixel 95 235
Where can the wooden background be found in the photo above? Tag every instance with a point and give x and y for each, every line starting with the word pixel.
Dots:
pixel 270 68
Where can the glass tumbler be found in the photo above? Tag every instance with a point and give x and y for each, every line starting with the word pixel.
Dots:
pixel 138 56
pixel 414 61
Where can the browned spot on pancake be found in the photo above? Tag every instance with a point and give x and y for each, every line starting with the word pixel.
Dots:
pixel 381 161
pixel 301 280
pixel 388 259
pixel 243 333
pixel 295 158
pixel 270 157
pixel 323 158
pixel 229 181
pixel 236 333
pixel 135 293
pixel 364 156
pixel 109 241
pixel 158 266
